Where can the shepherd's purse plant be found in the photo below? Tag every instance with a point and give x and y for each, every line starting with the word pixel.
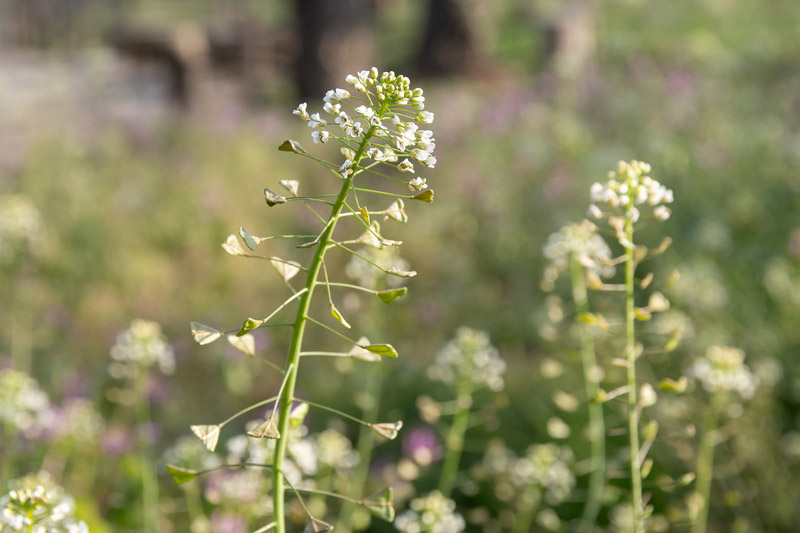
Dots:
pixel 380 130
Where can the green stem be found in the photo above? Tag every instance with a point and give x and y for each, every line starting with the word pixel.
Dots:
pixel 528 505
pixel 630 352
pixel 705 463
pixel 596 422
pixel 455 438
pixel 149 481
pixel 293 358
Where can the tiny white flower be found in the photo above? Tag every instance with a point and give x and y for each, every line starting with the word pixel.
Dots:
pixel 320 136
pixel 661 212
pixel 595 211
pixel 365 111
pixel 316 121
pixel 332 109
pixel 301 111
pixel 346 167
pixel 426 117
pixel 405 166
pixel 417 184
pixel 430 161
pixel 596 192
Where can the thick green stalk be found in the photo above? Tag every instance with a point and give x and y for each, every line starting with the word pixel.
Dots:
pixel 705 463
pixel 455 438
pixel 630 352
pixel 596 422
pixel 293 358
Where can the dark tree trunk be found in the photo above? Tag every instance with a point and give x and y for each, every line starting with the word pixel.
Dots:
pixel 336 40
pixel 448 47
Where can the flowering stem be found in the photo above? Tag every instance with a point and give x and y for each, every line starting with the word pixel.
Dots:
pixel 528 505
pixel 596 421
pixel 373 382
pixel 630 352
pixel 705 463
pixel 455 438
pixel 149 482
pixel 293 358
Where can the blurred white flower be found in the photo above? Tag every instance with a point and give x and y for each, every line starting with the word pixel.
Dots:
pixel 21 228
pixel 469 356
pixel 723 369
pixel 138 348
pixel 36 504
pixel 432 513
pixel 23 405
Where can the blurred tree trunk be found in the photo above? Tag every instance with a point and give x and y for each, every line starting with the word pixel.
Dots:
pixel 336 39
pixel 448 46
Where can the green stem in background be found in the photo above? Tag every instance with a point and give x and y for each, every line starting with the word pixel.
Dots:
pixel 455 438
pixel 630 353
pixel 596 422
pixel 373 383
pixel 705 462
pixel 293 358
pixel 149 481
pixel 529 502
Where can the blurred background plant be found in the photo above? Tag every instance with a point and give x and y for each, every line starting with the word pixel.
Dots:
pixel 141 131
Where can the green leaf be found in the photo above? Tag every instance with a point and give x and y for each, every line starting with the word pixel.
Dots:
pixel 272 198
pixel 297 415
pixel 387 430
pixel 204 334
pixel 381 504
pixel 290 185
pixel 425 196
pixel 386 350
pixel 338 316
pixel 249 325
pixel 233 246
pixel 316 525
pixel 647 467
pixel 244 343
pixel 291 146
pixel 360 353
pixel 181 475
pixel 287 269
pixel 670 385
pixel 390 295
pixel 266 430
pixel 208 434
pixel 250 240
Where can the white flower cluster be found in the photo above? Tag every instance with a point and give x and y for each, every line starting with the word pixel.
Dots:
pixel 432 513
pixel 388 115
pixel 547 467
pixel 21 227
pixel 78 420
pixel 23 405
pixel 469 356
pixel 580 241
pixel 723 369
pixel 139 347
pixel 628 187
pixel 35 504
